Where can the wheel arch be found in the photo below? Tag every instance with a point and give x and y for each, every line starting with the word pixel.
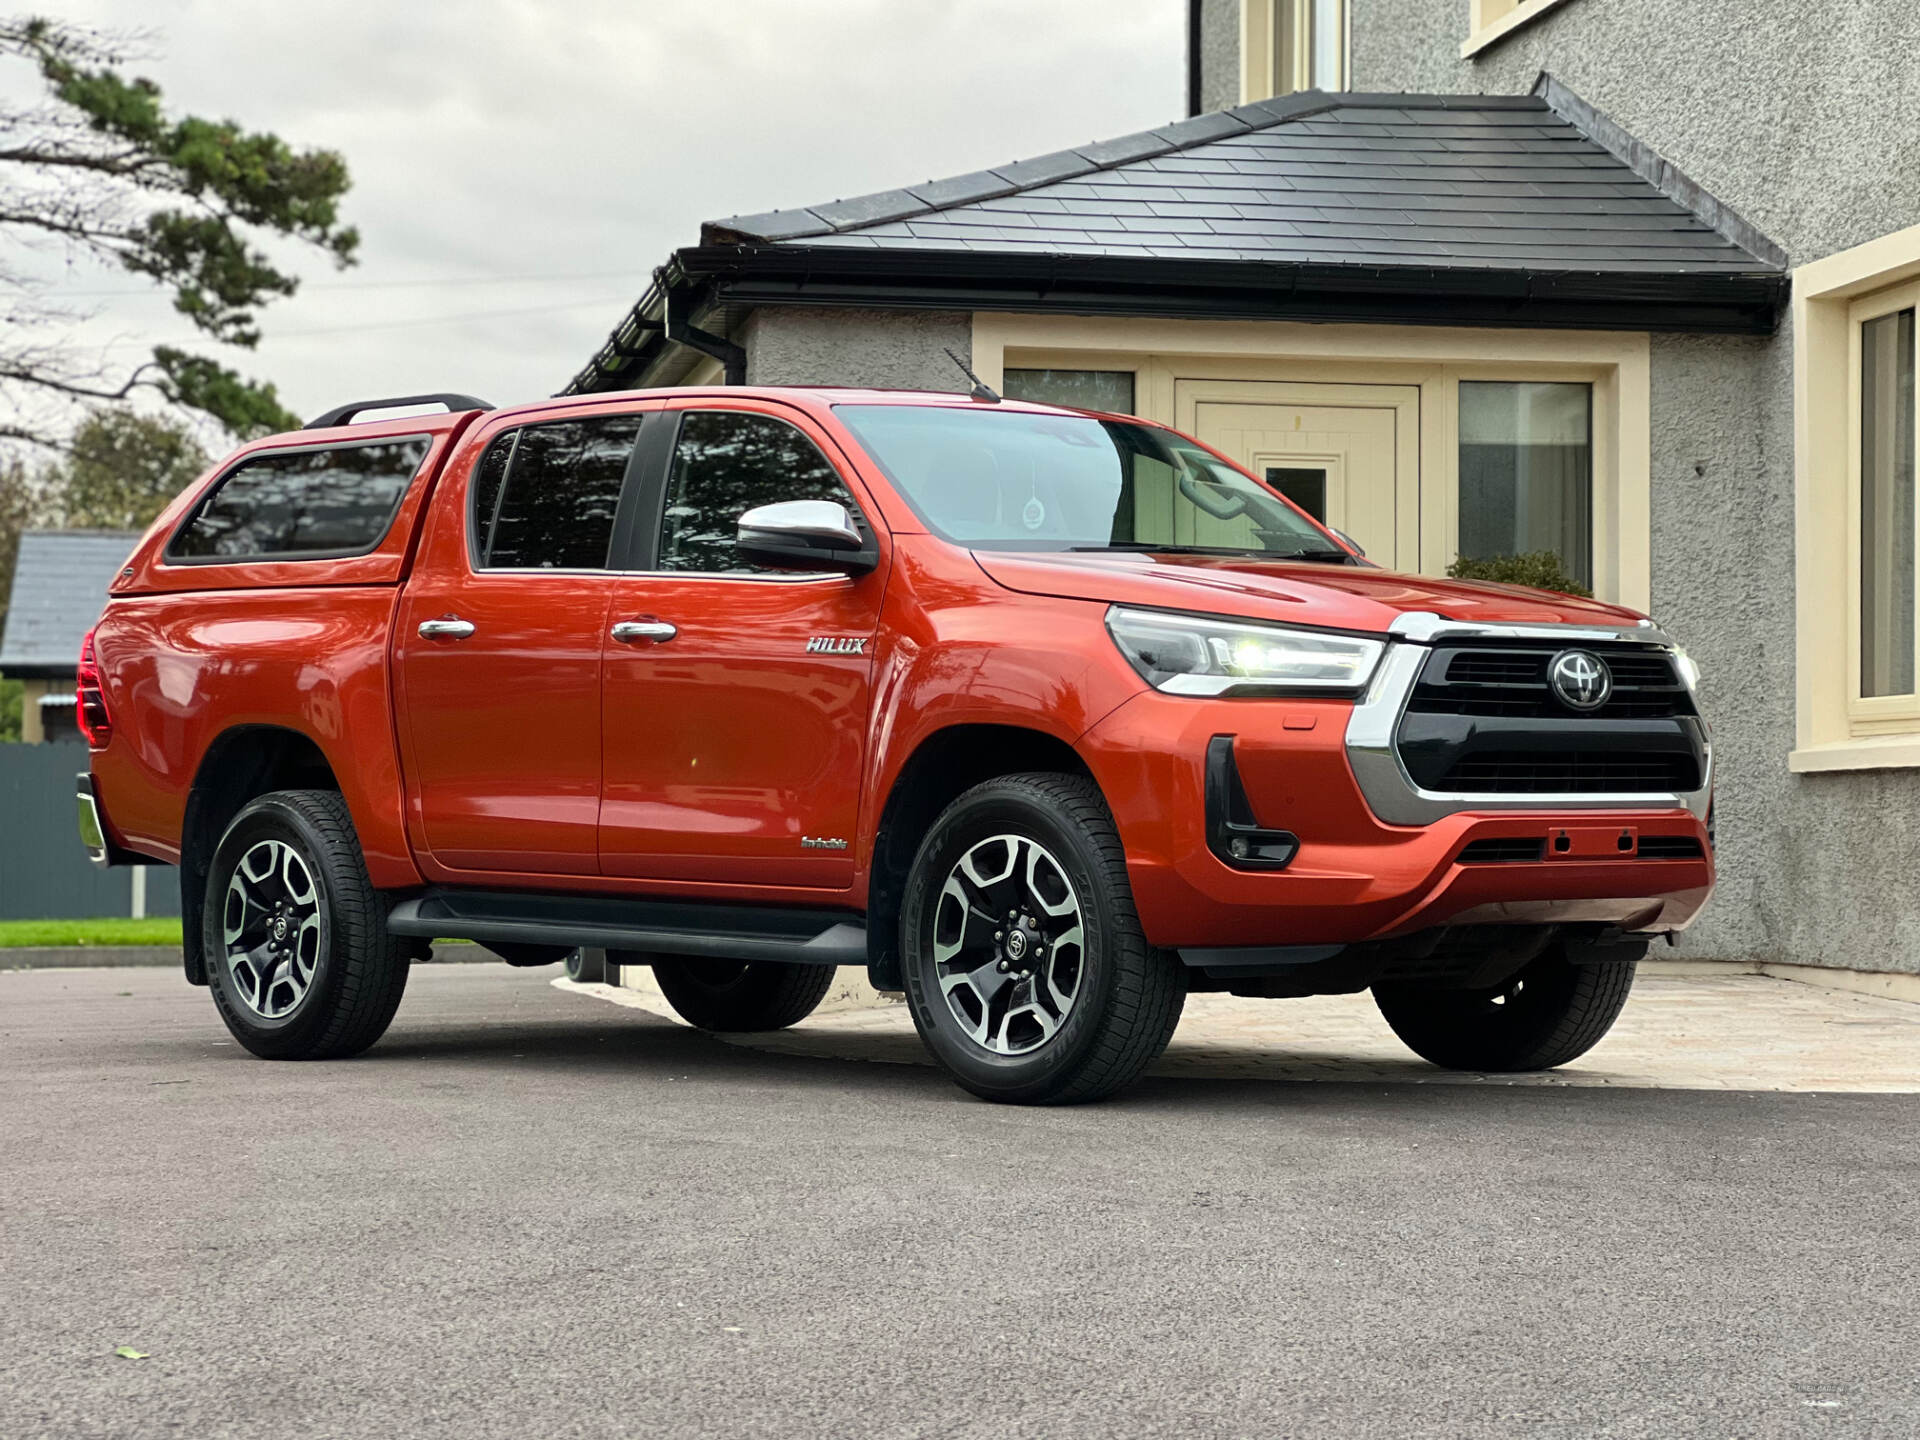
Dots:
pixel 242 764
pixel 943 766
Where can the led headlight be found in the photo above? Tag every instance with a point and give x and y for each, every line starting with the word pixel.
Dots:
pixel 1199 655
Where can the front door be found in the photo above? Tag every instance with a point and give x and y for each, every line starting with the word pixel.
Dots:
pixel 498 650
pixel 1346 454
pixel 735 720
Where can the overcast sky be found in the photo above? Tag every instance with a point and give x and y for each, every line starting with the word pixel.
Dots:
pixel 519 168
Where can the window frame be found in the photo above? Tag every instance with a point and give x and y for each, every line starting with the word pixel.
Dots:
pixel 643 547
pixel 170 555
pixel 1273 60
pixel 1875 714
pixel 1490 21
pixel 1827 735
pixel 1592 557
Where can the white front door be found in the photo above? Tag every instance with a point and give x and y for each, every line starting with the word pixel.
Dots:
pixel 1347 454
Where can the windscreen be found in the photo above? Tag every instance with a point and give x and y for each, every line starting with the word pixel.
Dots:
pixel 1014 480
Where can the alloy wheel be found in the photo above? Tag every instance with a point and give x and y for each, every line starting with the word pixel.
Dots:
pixel 1009 944
pixel 274 931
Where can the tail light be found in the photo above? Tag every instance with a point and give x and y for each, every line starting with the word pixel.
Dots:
pixel 90 701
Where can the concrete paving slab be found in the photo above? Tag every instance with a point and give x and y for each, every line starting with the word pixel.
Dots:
pixel 1678 1032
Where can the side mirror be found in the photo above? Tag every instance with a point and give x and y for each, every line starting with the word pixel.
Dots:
pixel 805 535
pixel 1358 548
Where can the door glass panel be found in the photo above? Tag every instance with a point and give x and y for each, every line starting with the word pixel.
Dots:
pixel 1305 487
pixel 561 489
pixel 1887 611
pixel 725 464
pixel 1108 390
pixel 1526 472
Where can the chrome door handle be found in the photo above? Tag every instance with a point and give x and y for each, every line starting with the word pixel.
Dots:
pixel 629 631
pixel 448 629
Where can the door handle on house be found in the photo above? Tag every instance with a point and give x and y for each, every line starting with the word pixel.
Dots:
pixel 450 628
pixel 628 632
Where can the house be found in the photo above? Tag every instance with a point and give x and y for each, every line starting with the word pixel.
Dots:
pixel 1628 281
pixel 59 588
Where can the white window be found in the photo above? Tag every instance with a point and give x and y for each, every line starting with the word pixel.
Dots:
pixel 1490 20
pixel 1856 520
pixel 1289 45
pixel 1885 617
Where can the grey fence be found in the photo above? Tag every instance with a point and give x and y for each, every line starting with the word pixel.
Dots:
pixel 44 873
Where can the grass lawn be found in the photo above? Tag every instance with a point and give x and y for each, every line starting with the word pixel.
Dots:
pixel 114 930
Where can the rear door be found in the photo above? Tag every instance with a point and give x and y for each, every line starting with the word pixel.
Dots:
pixel 735 728
pixel 498 647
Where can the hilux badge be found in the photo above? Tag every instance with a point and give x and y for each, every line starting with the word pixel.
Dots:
pixel 1580 679
pixel 837 645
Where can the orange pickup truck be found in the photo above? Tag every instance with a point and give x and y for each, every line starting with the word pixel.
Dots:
pixel 1047 718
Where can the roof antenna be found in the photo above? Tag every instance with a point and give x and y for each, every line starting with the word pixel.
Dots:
pixel 980 390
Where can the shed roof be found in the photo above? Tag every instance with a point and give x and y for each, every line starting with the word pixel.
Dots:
pixel 59 588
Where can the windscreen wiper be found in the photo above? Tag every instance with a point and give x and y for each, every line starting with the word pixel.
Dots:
pixel 1148 547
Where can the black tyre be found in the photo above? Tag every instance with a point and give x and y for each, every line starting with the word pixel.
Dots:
pixel 733 996
pixel 298 956
pixel 1027 973
pixel 587 965
pixel 1550 1012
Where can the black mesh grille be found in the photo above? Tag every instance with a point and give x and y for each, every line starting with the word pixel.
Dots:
pixel 1512 681
pixel 1502 852
pixel 1570 772
pixel 1669 847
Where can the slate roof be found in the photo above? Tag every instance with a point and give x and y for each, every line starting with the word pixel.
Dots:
pixel 59 589
pixel 1491 181
pixel 1507 210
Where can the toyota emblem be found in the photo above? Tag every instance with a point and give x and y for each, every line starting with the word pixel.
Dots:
pixel 1580 679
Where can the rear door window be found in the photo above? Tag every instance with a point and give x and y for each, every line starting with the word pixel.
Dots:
pixel 303 504
pixel 545 497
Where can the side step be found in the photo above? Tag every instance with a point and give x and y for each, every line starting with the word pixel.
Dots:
pixel 610 922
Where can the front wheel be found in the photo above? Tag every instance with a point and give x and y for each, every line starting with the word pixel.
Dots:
pixel 298 956
pixel 1550 1012
pixel 1027 973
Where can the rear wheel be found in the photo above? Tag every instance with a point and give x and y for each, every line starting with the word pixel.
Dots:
pixel 298 956
pixel 732 996
pixel 1548 1013
pixel 1027 973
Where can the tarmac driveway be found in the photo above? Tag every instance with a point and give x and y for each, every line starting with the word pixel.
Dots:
pixel 530 1213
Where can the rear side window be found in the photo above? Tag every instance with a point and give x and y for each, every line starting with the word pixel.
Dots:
pixel 303 504
pixel 726 463
pixel 544 497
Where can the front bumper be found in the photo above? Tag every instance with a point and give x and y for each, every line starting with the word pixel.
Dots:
pixel 1377 857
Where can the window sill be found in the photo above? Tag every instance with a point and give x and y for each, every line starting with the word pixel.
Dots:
pixel 1889 752
pixel 1523 14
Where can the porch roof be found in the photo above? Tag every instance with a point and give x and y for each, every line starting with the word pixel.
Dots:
pixel 1492 181
pixel 1462 209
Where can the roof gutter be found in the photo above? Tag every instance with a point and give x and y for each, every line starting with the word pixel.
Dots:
pixel 659 319
pixel 1738 303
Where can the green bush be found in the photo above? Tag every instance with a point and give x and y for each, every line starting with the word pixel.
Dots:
pixel 11 692
pixel 1540 569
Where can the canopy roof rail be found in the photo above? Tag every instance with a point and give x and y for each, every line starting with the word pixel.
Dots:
pixel 343 414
